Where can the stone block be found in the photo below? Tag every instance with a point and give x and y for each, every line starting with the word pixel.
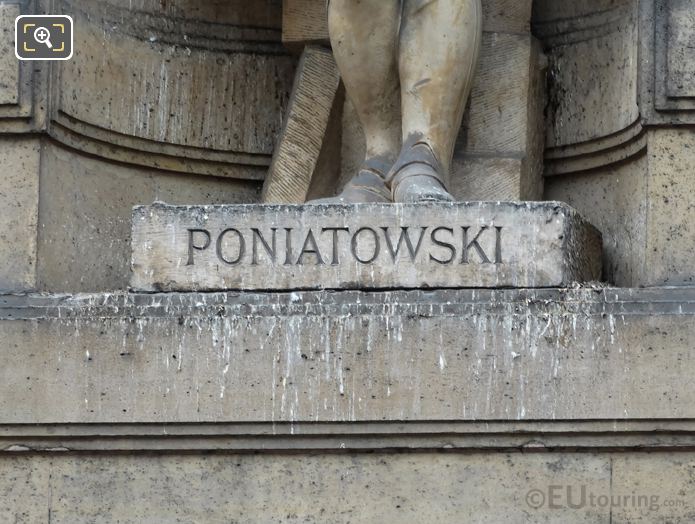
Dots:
pixel 670 218
pixel 451 405
pixel 644 210
pixel 361 488
pixel 9 65
pixel 19 202
pixel 23 486
pixel 287 361
pixel 377 246
pixel 503 129
pixel 304 21
pixel 656 487
pixel 498 119
pixel 293 488
pixel 615 200
pixel 484 177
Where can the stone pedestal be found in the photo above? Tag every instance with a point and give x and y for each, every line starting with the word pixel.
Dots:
pixel 375 246
pixel 302 358
pixel 393 406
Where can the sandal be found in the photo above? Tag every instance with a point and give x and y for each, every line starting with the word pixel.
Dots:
pixel 367 187
pixel 418 161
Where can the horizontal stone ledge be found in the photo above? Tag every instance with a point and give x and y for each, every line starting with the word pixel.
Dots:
pixel 358 436
pixel 345 429
pixel 418 356
pixel 588 300
pixel 367 246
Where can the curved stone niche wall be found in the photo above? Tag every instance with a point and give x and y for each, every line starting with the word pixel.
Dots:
pixel 181 85
pixel 592 117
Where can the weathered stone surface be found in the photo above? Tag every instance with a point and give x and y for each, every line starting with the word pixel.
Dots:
pixel 504 123
pixel 588 42
pixel 629 162
pixel 154 89
pixel 614 199
pixel 664 479
pixel 303 357
pixel 304 22
pixel 307 406
pixel 331 489
pixel 19 209
pixel 85 215
pixel 306 123
pixel 670 220
pixel 667 81
pixel 179 86
pixel 514 488
pixel 644 210
pixel 9 65
pixel 474 244
pixel 111 404
pixel 593 43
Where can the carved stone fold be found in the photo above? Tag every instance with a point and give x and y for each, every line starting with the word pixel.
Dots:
pixel 371 246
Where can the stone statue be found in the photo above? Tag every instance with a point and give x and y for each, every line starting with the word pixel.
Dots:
pixel 407 66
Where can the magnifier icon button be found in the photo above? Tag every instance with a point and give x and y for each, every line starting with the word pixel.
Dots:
pixel 43 36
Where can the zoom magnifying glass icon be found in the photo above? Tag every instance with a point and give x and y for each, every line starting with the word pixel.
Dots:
pixel 43 36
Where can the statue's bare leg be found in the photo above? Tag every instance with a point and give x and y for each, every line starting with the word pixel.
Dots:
pixel 439 47
pixel 364 36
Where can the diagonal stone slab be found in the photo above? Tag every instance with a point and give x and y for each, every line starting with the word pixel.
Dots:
pixel 369 246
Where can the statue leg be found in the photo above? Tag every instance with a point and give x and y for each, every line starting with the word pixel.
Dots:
pixel 439 47
pixel 364 36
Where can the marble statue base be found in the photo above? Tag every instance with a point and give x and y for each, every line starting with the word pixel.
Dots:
pixel 370 246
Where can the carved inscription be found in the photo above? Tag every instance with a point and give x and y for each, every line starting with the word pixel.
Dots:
pixel 375 246
pixel 443 245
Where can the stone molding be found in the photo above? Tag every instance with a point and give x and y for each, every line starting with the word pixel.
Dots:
pixel 528 437
pixel 117 104
pixel 593 117
pixel 24 84
pixel 638 54
pixel 604 151
pixel 668 77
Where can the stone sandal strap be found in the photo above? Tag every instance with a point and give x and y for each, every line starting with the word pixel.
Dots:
pixel 418 154
pixel 414 169
pixel 369 182
pixel 407 171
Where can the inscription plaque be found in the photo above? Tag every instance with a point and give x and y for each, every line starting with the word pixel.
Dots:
pixel 367 246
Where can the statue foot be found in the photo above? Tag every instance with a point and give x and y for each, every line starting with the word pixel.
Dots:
pixel 421 189
pixel 416 177
pixel 367 187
